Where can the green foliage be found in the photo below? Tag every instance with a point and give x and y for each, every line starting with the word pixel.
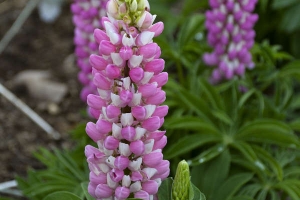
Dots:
pixel 229 136
pixel 65 170
pixel 279 21
pixel 165 191
pixel 62 195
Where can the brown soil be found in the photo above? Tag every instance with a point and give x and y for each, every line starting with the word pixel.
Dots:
pixel 36 46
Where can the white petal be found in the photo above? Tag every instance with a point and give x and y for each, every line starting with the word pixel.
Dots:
pixel 113 37
pixel 104 113
pixel 141 20
pixel 140 132
pixel 124 149
pixel 135 60
pixel 100 144
pixel 126 83
pixel 116 101
pixel 110 161
pixel 126 119
pixel 127 41
pixel 116 58
pixel 104 168
pixel 126 181
pixel 94 168
pixel 146 37
pixel 135 164
pixel 136 100
pixel 147 77
pixel 150 110
pixel 149 171
pixel 149 146
pixel 108 152
pixel 104 94
pixel 116 131
pixel 158 180
pixel 153 18
pixel 109 27
pixel 111 183
pixel 135 187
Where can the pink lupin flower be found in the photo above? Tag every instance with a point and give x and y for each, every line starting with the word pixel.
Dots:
pixel 86 17
pixel 230 31
pixel 128 75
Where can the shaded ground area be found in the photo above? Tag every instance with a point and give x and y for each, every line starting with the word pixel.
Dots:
pixel 36 46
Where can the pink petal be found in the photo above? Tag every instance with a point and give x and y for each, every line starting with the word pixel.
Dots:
pixel 151 124
pixel 103 191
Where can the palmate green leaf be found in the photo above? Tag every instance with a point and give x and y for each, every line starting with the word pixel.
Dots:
pixel 46 188
pixel 59 176
pixel 222 116
pixel 208 154
pixel 71 165
pixel 267 158
pixel 295 125
pixel 165 190
pixel 283 56
pixel 245 97
pixel 231 186
pixel 209 176
pixel 62 195
pixel 296 102
pixel 195 194
pixel 287 98
pixel 212 95
pixel 292 172
pixel 261 101
pixel 191 26
pixel 191 123
pixel 249 166
pixel 189 143
pixel 247 151
pixel 274 195
pixel 268 131
pixel 262 195
pixel 290 69
pixel 290 187
pixel 84 187
pixel 241 198
pixel 190 101
pixel 250 190
pixel 46 157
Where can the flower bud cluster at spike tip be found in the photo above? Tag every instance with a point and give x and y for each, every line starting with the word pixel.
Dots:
pixel 87 16
pixel 230 31
pixel 128 73
pixel 181 183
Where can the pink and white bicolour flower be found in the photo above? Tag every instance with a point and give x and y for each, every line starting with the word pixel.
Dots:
pixel 87 16
pixel 230 31
pixel 127 72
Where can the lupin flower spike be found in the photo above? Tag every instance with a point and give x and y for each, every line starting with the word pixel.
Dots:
pixel 87 16
pixel 230 31
pixel 128 162
pixel 181 183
